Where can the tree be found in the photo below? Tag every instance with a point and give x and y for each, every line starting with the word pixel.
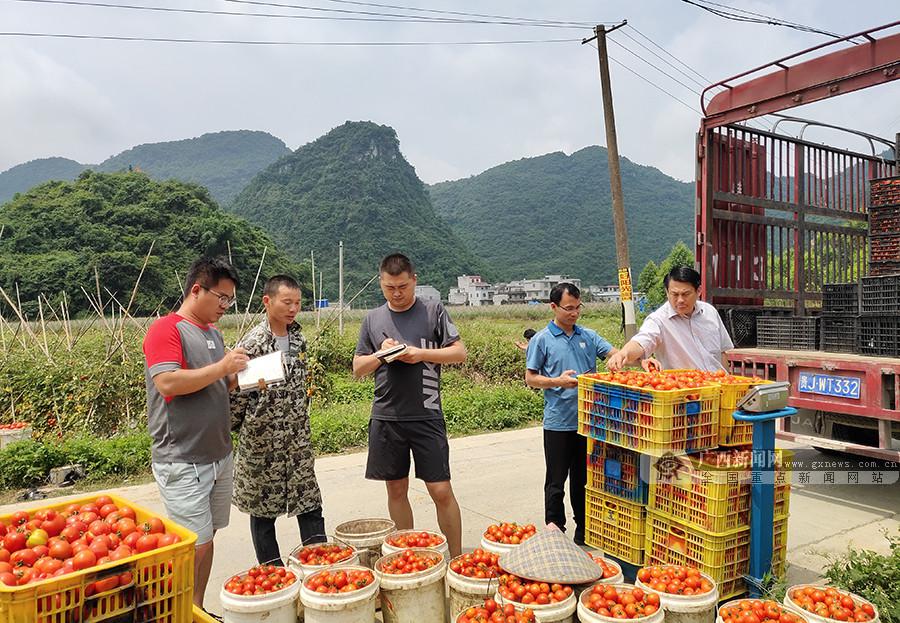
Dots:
pixel 648 278
pixel 680 255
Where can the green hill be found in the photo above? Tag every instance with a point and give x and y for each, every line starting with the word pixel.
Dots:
pixel 23 176
pixel 553 214
pixel 223 162
pixel 57 233
pixel 353 184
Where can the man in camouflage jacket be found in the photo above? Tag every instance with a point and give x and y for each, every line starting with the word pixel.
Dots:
pixel 274 463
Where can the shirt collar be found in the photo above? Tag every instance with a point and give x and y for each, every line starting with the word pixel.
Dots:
pixel 557 331
pixel 671 313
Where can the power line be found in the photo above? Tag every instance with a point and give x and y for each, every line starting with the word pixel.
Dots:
pixel 366 16
pixel 685 65
pixel 760 19
pixel 292 43
pixel 668 75
pixel 664 60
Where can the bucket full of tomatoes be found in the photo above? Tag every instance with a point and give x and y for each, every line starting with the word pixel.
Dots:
pixel 264 592
pixel 686 594
pixel 612 573
pixel 13 432
pixel 827 604
pixel 490 611
pixel 551 603
pixel 404 539
pixel 762 610
pixel 307 559
pixel 412 585
pixel 340 595
pixel 504 537
pixel 605 603
pixel 472 578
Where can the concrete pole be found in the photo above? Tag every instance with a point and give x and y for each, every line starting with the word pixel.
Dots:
pixel 341 287
pixel 615 182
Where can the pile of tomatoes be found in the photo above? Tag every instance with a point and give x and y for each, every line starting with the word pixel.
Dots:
pixel 620 603
pixel 479 564
pixel 409 561
pixel 261 580
pixel 323 554
pixel 667 380
pixel 830 603
pixel 610 569
pixel 492 612
pixel 509 533
pixel 339 580
pixel 675 580
pixel 13 426
pixel 514 588
pixel 404 540
pixel 757 611
pixel 51 543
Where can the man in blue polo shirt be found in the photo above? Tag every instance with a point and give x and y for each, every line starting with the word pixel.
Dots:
pixel 556 355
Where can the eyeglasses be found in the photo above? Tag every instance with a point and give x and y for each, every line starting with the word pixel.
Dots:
pixel 224 300
pixel 571 308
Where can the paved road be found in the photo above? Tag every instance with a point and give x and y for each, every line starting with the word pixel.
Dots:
pixel 499 476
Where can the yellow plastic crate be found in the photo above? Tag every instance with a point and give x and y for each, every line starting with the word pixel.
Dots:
pixel 201 617
pixel 615 526
pixel 162 590
pixel 648 421
pixel 732 432
pixel 616 471
pixel 711 491
pixel 725 557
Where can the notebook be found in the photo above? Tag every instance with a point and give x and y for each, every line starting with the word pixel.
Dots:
pixel 262 372
pixel 392 352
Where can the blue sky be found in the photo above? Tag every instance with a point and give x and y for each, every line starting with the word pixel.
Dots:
pixel 458 110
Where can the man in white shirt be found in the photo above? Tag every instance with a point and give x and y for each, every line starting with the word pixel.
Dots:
pixel 683 333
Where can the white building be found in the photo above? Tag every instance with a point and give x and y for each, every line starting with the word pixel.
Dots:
pixel 428 293
pixel 473 290
pixel 539 289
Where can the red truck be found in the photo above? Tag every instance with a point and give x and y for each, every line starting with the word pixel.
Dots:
pixel 778 217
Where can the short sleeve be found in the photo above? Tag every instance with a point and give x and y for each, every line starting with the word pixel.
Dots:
pixel 648 338
pixel 603 347
pixel 162 346
pixel 534 356
pixel 364 345
pixel 447 331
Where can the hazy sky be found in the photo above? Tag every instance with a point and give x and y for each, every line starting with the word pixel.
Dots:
pixel 458 110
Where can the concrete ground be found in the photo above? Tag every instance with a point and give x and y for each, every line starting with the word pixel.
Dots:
pixel 499 476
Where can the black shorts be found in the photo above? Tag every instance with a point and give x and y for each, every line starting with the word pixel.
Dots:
pixel 390 443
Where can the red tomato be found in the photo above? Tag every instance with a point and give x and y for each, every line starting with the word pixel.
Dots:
pixel 83 560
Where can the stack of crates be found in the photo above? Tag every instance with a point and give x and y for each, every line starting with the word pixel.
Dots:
pixel 616 500
pixel 625 427
pixel 884 226
pixel 698 514
pixel 789 333
pixel 840 317
pixel 161 586
pixel 879 324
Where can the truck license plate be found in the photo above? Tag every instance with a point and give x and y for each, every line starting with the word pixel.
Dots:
pixel 830 385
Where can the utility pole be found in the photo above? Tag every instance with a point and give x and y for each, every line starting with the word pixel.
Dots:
pixel 615 183
pixel 312 263
pixel 341 287
pixel 319 306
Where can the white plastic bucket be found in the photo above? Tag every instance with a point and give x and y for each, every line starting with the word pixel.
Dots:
pixel 301 571
pixel 688 608
pixel 734 602
pixel 387 548
pixel 413 597
pixel 519 608
pixel 466 591
pixel 586 615
pixel 277 607
pixel 815 618
pixel 367 536
pixel 560 612
pixel 497 548
pixel 354 607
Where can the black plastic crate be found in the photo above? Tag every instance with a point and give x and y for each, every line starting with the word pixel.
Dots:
pixel 840 298
pixel 884 220
pixel 879 336
pixel 741 322
pixel 839 334
pixel 792 333
pixel 883 268
pixel 881 295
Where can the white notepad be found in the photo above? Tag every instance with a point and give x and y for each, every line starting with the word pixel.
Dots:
pixel 268 368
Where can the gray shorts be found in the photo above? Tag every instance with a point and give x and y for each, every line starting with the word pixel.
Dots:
pixel 197 496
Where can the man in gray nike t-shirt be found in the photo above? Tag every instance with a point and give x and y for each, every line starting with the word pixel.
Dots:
pixel 406 412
